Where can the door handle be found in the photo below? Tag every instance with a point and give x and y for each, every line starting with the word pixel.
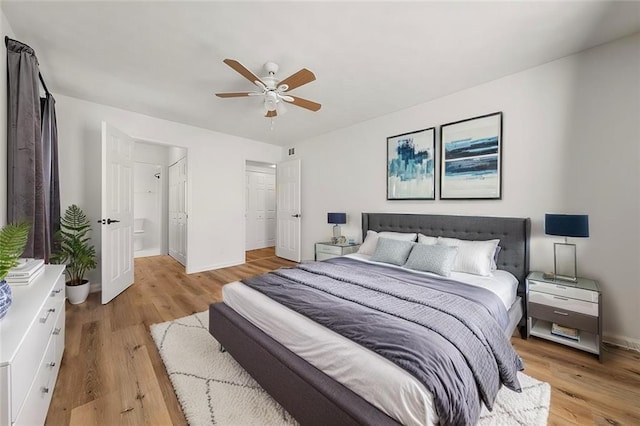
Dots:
pixel 109 221
pixel 295 215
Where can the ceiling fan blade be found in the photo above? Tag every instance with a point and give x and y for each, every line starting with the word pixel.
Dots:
pixel 271 113
pixel 234 95
pixel 303 76
pixel 242 70
pixel 305 103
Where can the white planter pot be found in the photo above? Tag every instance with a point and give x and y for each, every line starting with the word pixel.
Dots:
pixel 78 293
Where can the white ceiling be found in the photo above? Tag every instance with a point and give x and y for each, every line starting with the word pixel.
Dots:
pixel 164 59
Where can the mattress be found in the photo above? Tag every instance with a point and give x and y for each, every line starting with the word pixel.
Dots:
pixel 392 390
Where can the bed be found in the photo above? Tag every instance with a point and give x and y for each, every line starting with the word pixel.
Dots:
pixel 314 397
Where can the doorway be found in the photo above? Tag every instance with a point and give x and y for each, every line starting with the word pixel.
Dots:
pixel 260 205
pixel 154 200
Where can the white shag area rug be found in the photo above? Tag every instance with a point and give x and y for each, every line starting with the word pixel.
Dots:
pixel 213 389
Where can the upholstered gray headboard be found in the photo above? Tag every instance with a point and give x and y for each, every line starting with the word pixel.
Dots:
pixel 512 232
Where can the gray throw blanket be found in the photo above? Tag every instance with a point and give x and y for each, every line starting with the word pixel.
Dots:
pixel 447 339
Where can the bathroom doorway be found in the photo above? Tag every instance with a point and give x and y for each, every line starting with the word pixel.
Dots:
pixel 151 197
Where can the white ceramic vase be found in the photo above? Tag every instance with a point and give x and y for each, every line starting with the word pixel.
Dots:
pixel 78 293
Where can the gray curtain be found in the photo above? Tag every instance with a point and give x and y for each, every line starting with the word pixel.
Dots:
pixel 31 159
pixel 50 169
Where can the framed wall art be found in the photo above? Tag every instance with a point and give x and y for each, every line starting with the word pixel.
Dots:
pixel 471 158
pixel 411 165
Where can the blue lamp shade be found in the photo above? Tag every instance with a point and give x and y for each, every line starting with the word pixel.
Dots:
pixel 337 218
pixel 566 225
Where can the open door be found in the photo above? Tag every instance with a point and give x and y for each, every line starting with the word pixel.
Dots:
pixel 288 190
pixel 178 211
pixel 117 212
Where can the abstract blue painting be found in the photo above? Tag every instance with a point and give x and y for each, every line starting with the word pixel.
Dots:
pixel 410 165
pixel 471 166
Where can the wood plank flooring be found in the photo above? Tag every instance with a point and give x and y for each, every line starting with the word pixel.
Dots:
pixel 112 374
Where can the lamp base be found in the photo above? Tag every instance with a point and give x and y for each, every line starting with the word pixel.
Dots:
pixel 565 262
pixel 336 234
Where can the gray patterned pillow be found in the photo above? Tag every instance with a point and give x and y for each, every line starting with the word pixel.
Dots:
pixel 438 259
pixel 392 251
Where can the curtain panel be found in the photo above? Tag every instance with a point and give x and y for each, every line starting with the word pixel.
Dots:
pixel 32 169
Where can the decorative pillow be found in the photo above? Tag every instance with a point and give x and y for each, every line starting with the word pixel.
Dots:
pixel 392 251
pixel 426 239
pixel 494 261
pixel 370 243
pixel 438 259
pixel 474 257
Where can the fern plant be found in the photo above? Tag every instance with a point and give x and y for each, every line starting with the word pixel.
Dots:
pixel 13 240
pixel 75 250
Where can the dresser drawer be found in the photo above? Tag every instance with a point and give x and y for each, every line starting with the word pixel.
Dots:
pixel 563 291
pixel 564 317
pixel 564 303
pixel 323 248
pixel 34 410
pixel 27 359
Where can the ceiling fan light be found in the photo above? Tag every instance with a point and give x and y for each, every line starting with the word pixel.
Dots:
pixel 269 105
pixel 280 108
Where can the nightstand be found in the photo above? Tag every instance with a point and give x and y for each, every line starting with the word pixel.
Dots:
pixel 575 305
pixel 329 250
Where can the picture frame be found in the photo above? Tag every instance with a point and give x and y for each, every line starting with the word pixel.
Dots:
pixel 471 158
pixel 411 165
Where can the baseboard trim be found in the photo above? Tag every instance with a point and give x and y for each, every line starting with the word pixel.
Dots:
pixel 95 287
pixel 623 342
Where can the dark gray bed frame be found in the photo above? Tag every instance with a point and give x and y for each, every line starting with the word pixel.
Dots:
pixel 311 396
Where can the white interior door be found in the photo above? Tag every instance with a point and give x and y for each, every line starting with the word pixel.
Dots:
pixel 288 191
pixel 117 212
pixel 178 211
pixel 260 210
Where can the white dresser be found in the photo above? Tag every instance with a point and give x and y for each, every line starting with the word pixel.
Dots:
pixel 31 347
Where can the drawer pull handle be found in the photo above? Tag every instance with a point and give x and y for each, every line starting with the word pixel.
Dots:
pixel 46 317
pixel 560 298
pixel 52 364
pixel 55 292
pixel 561 313
pixel 56 331
pixel 45 390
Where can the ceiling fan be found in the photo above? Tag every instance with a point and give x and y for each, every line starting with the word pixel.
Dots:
pixel 274 91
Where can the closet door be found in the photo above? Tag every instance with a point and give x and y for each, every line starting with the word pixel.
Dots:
pixel 260 210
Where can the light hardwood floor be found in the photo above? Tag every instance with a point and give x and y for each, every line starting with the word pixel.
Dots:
pixel 111 373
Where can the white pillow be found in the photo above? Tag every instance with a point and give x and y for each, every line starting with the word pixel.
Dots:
pixel 370 242
pixel 426 239
pixel 474 257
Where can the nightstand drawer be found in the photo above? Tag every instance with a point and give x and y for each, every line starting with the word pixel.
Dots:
pixel 564 303
pixel 564 317
pixel 563 291
pixel 323 248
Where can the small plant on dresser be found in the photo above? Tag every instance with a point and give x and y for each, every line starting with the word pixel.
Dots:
pixel 13 240
pixel 75 252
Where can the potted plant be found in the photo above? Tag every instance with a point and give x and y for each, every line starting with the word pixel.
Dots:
pixel 13 239
pixel 75 252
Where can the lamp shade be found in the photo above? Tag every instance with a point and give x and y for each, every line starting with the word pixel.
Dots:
pixel 566 225
pixel 337 218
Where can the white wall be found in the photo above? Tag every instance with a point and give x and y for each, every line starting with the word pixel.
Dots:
pixel 571 145
pixel 216 175
pixel 5 30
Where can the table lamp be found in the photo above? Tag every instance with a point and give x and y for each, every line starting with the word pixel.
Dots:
pixel 336 219
pixel 564 254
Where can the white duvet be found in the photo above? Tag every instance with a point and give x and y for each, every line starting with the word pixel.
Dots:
pixel 385 385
